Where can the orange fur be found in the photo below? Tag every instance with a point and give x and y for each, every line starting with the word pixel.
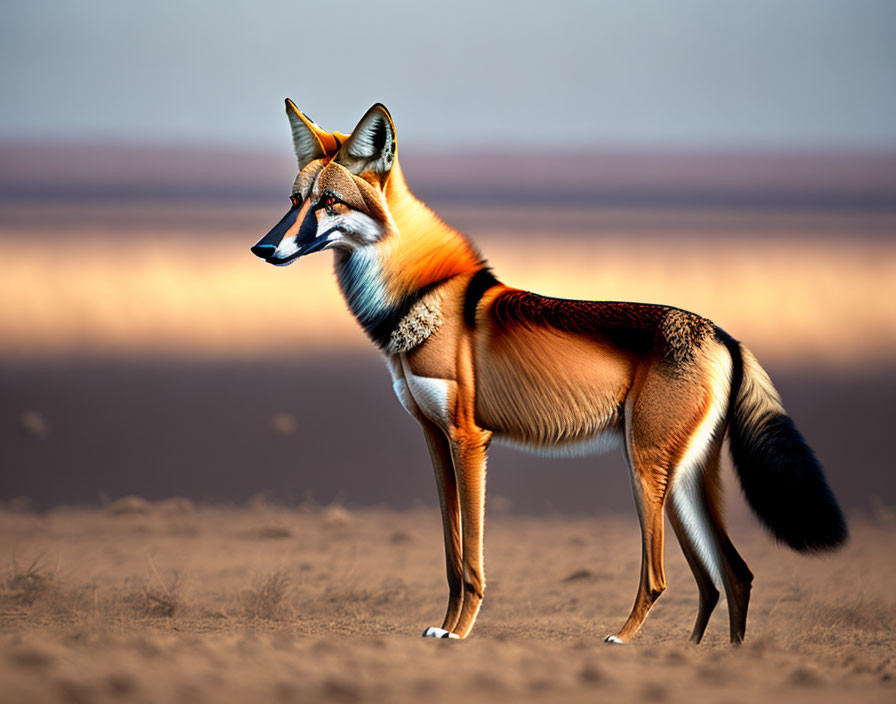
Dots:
pixel 426 250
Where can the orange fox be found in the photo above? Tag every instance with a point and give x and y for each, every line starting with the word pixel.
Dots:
pixel 474 360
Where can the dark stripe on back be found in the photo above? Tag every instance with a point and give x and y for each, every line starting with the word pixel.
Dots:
pixel 631 326
pixel 481 282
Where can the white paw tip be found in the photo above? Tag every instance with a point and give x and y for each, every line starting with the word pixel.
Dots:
pixel 614 640
pixel 433 632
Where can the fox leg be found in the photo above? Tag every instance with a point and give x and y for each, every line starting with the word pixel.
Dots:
pixel 736 576
pixel 738 581
pixel 695 515
pixel 468 448
pixel 669 409
pixel 649 483
pixel 684 437
pixel 690 515
pixel 446 482
pixel 457 447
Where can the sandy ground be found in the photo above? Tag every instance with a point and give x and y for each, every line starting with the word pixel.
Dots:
pixel 165 602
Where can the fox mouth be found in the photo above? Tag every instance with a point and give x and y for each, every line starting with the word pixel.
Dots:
pixel 315 245
pixel 283 262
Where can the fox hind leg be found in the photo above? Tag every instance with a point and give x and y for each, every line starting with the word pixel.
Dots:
pixel 649 480
pixel 653 578
pixel 737 577
pixel 695 515
pixel 694 509
pixel 671 417
pixel 690 515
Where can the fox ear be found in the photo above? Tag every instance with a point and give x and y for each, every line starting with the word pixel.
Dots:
pixel 371 146
pixel 306 136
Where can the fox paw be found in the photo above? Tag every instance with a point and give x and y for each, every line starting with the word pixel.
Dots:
pixel 614 640
pixel 433 632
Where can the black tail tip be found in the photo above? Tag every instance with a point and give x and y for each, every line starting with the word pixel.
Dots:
pixel 826 537
pixel 809 520
pixel 785 485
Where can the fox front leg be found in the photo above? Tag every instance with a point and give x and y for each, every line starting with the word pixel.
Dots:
pixel 432 416
pixel 468 448
pixel 460 472
pixel 446 482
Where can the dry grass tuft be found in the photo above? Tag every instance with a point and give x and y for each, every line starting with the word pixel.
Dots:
pixel 265 600
pixel 157 599
pixel 154 602
pixel 40 591
pixel 24 586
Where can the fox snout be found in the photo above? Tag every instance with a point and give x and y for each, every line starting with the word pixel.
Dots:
pixel 288 241
pixel 263 250
pixel 267 245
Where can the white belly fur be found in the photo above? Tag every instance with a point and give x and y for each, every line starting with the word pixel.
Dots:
pixel 602 442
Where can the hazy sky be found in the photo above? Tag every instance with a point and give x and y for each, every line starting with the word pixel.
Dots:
pixel 679 73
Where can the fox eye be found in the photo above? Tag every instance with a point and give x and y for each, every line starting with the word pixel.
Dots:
pixel 329 202
pixel 295 199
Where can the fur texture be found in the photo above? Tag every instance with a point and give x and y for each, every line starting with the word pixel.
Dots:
pixel 780 475
pixel 474 360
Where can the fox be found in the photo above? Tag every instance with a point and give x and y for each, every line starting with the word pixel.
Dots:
pixel 473 360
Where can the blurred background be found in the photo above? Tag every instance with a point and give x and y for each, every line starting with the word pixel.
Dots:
pixel 734 159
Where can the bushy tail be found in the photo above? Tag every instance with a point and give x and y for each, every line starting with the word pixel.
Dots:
pixel 780 475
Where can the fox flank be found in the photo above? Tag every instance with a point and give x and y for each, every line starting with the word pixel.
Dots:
pixel 474 360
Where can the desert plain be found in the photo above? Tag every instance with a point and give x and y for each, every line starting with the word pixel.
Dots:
pixel 169 602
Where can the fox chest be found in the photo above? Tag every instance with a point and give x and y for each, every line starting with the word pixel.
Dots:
pixel 421 396
pixel 431 398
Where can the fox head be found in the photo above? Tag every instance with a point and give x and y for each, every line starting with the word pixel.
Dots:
pixel 338 198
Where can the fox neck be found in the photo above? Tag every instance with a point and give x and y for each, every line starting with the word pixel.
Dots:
pixel 382 282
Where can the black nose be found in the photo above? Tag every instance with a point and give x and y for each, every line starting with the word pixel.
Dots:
pixel 265 251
